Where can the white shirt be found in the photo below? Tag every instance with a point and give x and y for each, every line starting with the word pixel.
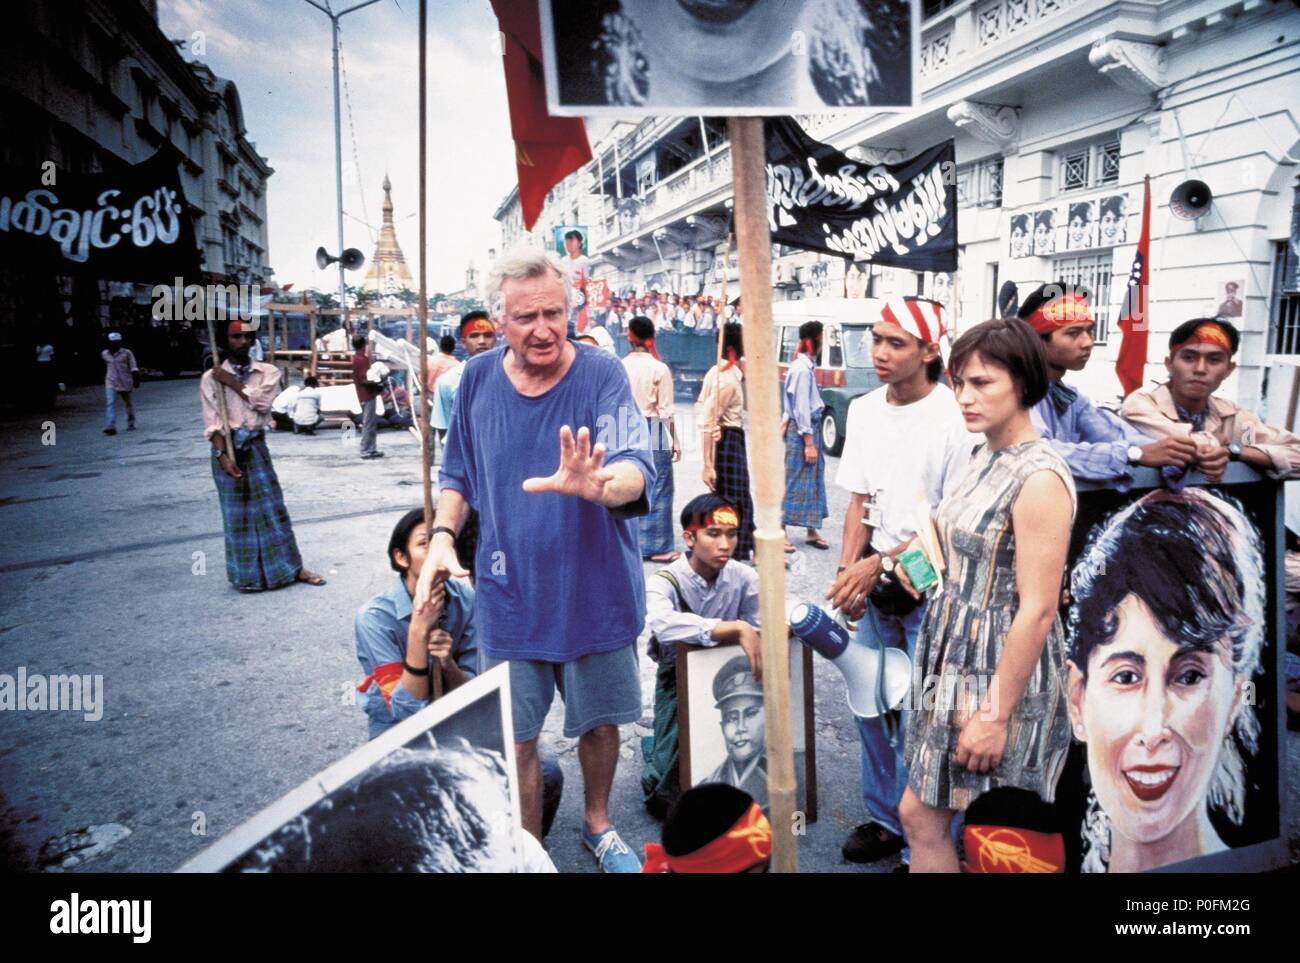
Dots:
pixel 306 409
pixel 283 403
pixel 905 454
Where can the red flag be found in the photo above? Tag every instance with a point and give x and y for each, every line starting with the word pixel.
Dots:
pixel 546 148
pixel 1134 320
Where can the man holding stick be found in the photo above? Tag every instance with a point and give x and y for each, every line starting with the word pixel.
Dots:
pixel 261 552
pixel 553 538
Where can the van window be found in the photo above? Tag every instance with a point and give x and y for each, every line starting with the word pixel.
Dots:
pixel 834 347
pixel 789 342
pixel 857 345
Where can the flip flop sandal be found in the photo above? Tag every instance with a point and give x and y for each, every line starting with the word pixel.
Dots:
pixel 817 543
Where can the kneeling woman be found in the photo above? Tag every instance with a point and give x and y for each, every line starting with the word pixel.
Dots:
pixel 991 645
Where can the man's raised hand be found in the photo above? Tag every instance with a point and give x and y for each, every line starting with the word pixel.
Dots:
pixel 581 472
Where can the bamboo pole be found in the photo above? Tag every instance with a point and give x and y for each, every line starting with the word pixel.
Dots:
pixel 753 241
pixel 426 468
pixel 311 337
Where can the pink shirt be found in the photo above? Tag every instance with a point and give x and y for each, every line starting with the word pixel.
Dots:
pixel 652 384
pixel 261 388
pixel 439 365
pixel 120 366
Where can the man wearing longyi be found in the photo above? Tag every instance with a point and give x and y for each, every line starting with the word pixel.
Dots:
pixel 555 534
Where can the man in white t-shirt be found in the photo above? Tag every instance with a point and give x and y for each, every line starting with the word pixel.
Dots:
pixel 906 446
pixel 306 407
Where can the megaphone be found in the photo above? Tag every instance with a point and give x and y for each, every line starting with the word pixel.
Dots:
pixel 1191 200
pixel 351 259
pixel 870 693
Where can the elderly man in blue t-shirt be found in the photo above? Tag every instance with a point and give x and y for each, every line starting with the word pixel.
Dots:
pixel 561 594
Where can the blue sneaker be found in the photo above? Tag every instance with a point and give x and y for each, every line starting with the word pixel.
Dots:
pixel 611 852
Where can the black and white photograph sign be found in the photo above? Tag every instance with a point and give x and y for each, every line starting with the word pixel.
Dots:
pixel 437 793
pixel 729 57
pixel 899 215
pixel 722 726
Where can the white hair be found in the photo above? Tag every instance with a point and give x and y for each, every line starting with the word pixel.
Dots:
pixel 519 265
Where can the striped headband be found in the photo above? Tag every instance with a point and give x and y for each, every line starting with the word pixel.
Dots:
pixel 920 318
pixel 1208 333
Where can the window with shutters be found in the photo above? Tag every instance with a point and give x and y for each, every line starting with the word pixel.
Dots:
pixel 1094 273
pixel 1284 304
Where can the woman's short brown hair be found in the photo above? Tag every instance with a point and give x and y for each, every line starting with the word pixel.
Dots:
pixel 1011 344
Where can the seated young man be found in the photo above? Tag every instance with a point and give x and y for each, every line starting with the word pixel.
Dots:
pixel 1199 361
pixel 306 407
pixel 704 599
pixel 282 408
pixel 397 649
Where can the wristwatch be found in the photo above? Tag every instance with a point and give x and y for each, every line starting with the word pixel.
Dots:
pixel 1234 452
pixel 888 563
pixel 1134 454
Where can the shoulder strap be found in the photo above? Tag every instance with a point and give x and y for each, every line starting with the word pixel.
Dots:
pixel 677 590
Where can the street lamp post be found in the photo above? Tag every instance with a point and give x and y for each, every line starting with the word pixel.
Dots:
pixel 338 137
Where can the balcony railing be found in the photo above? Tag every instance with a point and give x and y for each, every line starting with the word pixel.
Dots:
pixel 676 192
pixel 969 29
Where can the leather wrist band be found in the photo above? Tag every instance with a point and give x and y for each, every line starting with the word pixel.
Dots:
pixel 442 528
pixel 413 670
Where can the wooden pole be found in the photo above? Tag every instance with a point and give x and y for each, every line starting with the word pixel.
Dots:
pixel 753 241
pixel 221 392
pixel 426 453
pixel 311 338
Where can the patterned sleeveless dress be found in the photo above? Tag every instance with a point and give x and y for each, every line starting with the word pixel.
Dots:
pixel 962 635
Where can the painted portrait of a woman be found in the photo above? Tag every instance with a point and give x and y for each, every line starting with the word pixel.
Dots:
pixel 1166 630
pixel 733 54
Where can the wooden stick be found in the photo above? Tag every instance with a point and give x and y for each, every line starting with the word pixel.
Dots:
pixel 221 392
pixel 426 467
pixel 721 324
pixel 311 336
pixel 753 241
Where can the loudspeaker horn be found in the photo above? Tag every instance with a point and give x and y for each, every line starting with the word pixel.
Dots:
pixel 859 665
pixel 351 259
pixel 1191 200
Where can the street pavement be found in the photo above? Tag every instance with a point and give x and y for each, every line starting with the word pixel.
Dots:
pixel 216 702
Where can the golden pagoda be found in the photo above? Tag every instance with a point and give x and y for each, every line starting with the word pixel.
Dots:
pixel 388 272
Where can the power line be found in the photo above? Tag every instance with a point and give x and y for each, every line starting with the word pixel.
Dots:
pixel 352 129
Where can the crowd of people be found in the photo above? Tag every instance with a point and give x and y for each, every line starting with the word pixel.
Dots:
pixel 666 312
pixel 538 502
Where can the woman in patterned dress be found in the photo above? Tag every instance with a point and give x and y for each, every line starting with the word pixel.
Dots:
pixel 990 660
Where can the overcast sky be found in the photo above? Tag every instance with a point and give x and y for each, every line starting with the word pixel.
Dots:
pixel 278 54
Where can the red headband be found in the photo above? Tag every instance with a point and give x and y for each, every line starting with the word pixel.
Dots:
pixel 724 515
pixel 1059 313
pixel 648 343
pixel 475 326
pixel 1009 849
pixel 1208 333
pixel 742 847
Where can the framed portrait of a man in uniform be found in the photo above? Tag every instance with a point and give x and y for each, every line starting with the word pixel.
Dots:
pixel 721 721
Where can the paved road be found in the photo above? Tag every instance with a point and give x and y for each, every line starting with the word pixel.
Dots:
pixel 217 703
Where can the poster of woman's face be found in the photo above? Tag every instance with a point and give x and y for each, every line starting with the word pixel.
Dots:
pixel 856 276
pixel 1081 228
pixel 1021 235
pixel 1044 232
pixel 1168 646
pixel 723 731
pixel 1112 219
pixel 728 57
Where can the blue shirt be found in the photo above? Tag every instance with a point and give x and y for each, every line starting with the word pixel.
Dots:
pixel 381 627
pixel 1093 441
pixel 801 400
pixel 444 398
pixel 558 577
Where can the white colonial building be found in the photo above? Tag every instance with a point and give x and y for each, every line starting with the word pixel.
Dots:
pixel 1059 106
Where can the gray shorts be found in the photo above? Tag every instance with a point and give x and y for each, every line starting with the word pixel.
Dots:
pixel 598 690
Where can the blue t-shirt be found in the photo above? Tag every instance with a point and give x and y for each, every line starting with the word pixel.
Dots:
pixel 558 577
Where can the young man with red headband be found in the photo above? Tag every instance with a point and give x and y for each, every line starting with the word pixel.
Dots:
pixel 652 387
pixel 805 464
pixel 702 599
pixel 1186 408
pixel 904 441
pixel 715 828
pixel 476 335
pixel 261 552
pixel 1096 444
